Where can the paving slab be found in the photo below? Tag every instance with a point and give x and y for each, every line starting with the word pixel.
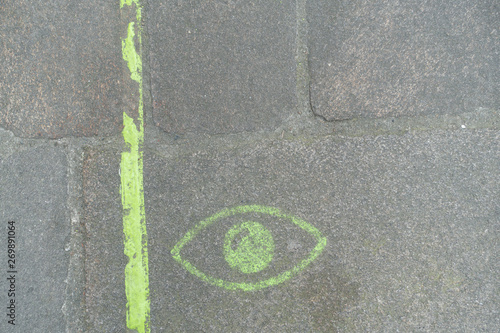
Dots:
pixel 411 223
pixel 33 194
pixel 222 66
pixel 388 58
pixel 61 68
pixel 105 298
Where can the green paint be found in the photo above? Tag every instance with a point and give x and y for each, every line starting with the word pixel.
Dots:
pixel 320 246
pixel 131 56
pixel 132 193
pixel 137 7
pixel 253 252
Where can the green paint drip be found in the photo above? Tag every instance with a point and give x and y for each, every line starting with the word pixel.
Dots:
pixel 132 194
pixel 320 246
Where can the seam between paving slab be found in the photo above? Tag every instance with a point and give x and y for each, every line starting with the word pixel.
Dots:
pixel 74 307
pixel 74 303
pixel 303 80
pixel 303 66
pixel 311 131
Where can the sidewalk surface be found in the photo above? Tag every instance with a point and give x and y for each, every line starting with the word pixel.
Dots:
pixel 306 166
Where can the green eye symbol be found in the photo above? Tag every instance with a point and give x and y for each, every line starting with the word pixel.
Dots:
pixel 254 249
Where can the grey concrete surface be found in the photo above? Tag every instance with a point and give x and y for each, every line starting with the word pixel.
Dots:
pixel 406 192
pixel 389 58
pixel 61 69
pixel 33 193
pixel 105 300
pixel 411 221
pixel 222 66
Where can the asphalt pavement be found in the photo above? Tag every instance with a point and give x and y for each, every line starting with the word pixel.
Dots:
pixel 250 166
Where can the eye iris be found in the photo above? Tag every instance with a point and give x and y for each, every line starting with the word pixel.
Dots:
pixel 249 247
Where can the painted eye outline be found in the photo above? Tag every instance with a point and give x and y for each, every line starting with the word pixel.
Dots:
pixel 320 246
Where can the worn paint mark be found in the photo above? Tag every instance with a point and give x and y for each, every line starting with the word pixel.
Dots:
pixel 132 192
pixel 320 246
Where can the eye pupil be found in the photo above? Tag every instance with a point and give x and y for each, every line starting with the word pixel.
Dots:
pixel 239 238
pixel 248 247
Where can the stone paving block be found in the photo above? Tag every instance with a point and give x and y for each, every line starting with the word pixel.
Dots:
pixel 33 194
pixel 410 221
pixel 105 262
pixel 222 66
pixel 61 68
pixel 388 58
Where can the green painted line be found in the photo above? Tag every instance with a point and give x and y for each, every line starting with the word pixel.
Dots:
pixel 320 246
pixel 132 192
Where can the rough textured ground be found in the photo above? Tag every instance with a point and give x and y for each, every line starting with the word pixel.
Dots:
pixel 376 123
pixel 222 67
pixel 61 68
pixel 389 58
